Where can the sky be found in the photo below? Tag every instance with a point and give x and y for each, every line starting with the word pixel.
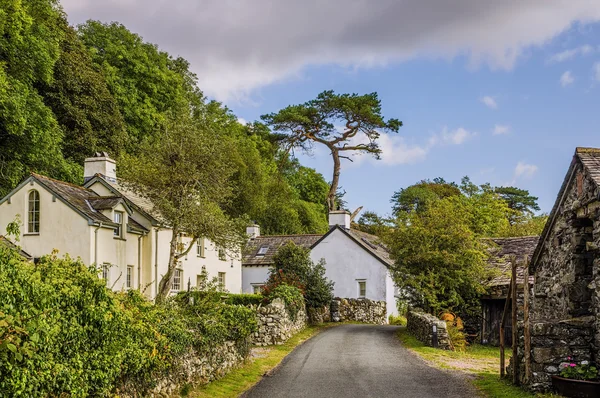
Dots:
pixel 501 91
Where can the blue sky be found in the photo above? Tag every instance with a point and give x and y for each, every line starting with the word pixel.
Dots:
pixel 503 96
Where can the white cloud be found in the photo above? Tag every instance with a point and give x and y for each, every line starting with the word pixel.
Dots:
pixel 453 137
pixel 500 129
pixel 490 102
pixel 525 170
pixel 236 47
pixel 566 79
pixel 571 53
pixel 596 71
pixel 242 121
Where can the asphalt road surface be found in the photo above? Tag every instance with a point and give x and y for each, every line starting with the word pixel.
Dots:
pixel 358 361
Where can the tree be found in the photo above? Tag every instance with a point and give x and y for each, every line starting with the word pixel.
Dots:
pixel 82 104
pixel 518 200
pixel 341 122
pixel 416 197
pixel 184 170
pixel 294 263
pixel 372 223
pixel 30 137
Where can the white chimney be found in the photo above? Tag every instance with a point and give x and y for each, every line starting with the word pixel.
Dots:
pixel 100 164
pixel 339 217
pixel 253 231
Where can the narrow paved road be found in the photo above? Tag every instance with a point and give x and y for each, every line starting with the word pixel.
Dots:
pixel 358 361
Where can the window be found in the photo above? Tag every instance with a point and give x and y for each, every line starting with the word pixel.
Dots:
pixel 177 278
pixel 362 289
pixel 199 281
pixel 257 288
pixel 222 255
pixel 262 251
pixel 33 213
pixel 200 247
pixel 105 273
pixel 221 280
pixel 129 276
pixel 118 219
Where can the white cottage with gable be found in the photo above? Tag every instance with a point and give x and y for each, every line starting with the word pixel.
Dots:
pixel 104 223
pixel 355 261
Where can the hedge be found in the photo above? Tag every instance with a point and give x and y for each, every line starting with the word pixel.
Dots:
pixel 63 333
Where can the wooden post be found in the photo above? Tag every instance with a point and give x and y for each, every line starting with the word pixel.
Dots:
pixel 526 326
pixel 502 322
pixel 515 337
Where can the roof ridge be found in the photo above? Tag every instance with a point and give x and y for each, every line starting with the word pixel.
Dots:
pixel 582 149
pixel 283 236
pixel 63 182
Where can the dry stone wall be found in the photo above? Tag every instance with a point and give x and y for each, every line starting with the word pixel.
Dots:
pixel 275 326
pixel 421 325
pixel 358 310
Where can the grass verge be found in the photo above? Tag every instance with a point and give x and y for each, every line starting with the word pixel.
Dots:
pixel 264 359
pixel 481 362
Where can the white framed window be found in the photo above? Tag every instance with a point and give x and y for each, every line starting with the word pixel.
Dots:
pixel 105 272
pixel 118 219
pixel 257 288
pixel 362 288
pixel 222 254
pixel 177 279
pixel 221 280
pixel 200 247
pixel 33 213
pixel 129 280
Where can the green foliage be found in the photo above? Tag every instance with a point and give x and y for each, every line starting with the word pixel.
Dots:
pixel 581 371
pixel 244 299
pixel 62 332
pixel 416 197
pixel 294 262
pixel 518 200
pixel 399 320
pixel 291 295
pixel 318 120
pixel 372 223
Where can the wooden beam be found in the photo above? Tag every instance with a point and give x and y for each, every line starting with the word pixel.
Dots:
pixel 526 326
pixel 502 322
pixel 515 338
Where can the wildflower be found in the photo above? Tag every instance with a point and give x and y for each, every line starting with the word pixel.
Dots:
pixel 585 362
pixel 573 365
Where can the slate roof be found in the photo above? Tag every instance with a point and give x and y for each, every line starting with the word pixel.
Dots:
pixel 590 160
pixel 104 202
pixel 4 241
pixel 75 196
pixel 367 241
pixel 502 252
pixel 273 243
pixel 136 225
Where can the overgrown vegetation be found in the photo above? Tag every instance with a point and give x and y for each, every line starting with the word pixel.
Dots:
pixel 63 332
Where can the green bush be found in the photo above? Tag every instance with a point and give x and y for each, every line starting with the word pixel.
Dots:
pixel 244 299
pixel 63 333
pixel 291 295
pixel 399 320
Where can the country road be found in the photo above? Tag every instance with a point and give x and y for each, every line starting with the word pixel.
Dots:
pixel 358 361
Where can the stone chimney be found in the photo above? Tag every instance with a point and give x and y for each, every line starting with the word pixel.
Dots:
pixel 253 231
pixel 339 217
pixel 100 164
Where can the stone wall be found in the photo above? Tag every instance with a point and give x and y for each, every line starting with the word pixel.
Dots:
pixel 275 325
pixel 358 310
pixel 196 370
pixel 420 325
pixel 565 307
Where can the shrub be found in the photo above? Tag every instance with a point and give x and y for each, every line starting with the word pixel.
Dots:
pixel 456 335
pixel 63 333
pixel 291 295
pixel 399 320
pixel 244 299
pixel 294 263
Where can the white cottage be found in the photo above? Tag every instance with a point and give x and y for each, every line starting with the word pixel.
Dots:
pixel 355 261
pixel 105 224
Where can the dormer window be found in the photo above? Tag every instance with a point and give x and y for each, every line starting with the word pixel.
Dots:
pixel 33 213
pixel 262 251
pixel 118 219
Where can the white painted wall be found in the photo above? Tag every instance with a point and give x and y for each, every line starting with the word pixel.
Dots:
pixel 254 274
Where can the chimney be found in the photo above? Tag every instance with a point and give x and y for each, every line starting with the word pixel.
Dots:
pixel 253 231
pixel 339 217
pixel 100 164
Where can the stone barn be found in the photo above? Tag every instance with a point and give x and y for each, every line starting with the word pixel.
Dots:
pixel 565 306
pixel 493 302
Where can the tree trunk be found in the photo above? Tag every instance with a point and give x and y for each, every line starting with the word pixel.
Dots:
pixel 164 287
pixel 336 179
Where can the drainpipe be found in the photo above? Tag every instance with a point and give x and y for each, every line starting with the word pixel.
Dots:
pixel 139 276
pixel 96 243
pixel 156 263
